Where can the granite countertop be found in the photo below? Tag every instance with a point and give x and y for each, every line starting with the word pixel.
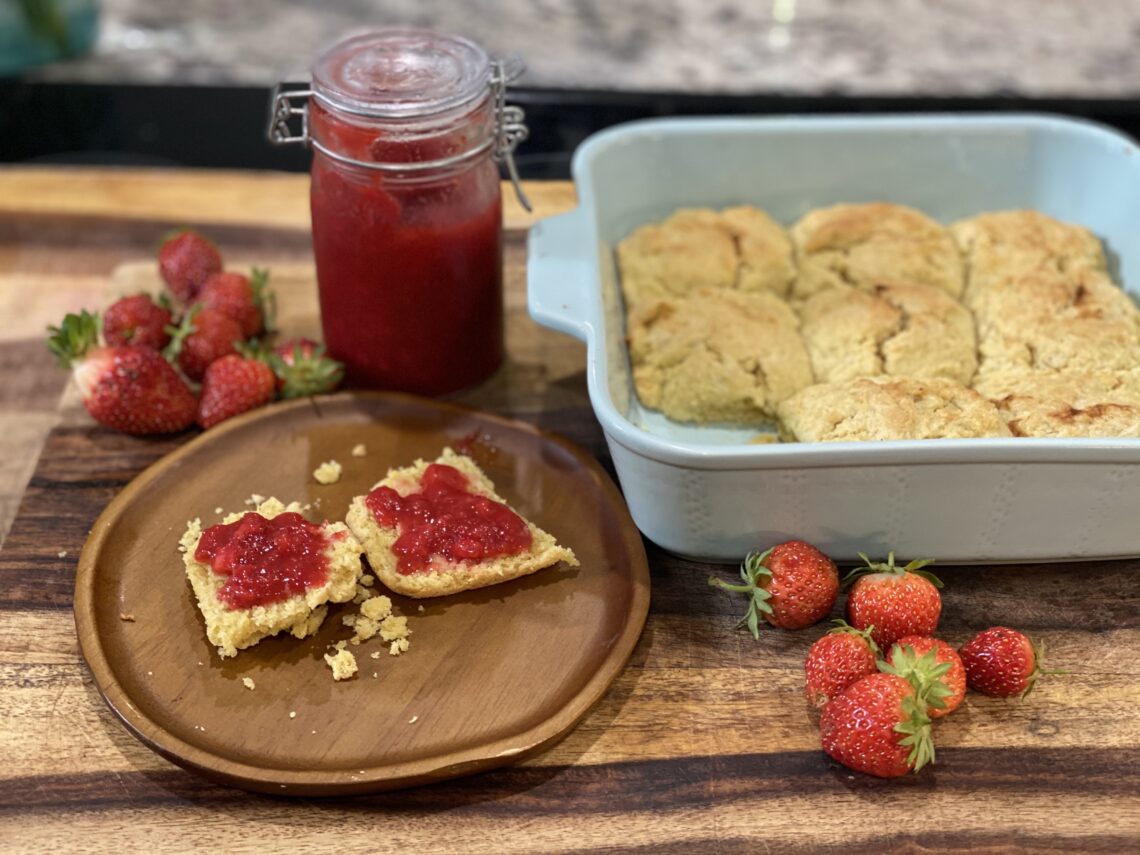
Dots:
pixel 1032 48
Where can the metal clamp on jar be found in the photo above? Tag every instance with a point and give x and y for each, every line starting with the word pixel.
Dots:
pixel 407 126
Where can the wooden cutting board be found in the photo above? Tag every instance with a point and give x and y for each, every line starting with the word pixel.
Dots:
pixel 703 743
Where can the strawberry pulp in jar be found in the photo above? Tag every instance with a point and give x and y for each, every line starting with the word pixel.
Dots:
pixel 406 210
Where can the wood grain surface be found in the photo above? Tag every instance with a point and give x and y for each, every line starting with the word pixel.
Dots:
pixel 704 743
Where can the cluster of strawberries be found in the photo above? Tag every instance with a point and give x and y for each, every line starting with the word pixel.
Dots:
pixel 876 711
pixel 196 354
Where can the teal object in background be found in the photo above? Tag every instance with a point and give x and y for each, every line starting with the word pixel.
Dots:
pixel 33 32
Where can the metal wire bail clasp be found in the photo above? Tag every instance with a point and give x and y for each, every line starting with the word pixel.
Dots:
pixel 510 126
pixel 281 112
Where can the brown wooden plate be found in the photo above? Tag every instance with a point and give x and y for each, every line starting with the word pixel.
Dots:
pixel 491 676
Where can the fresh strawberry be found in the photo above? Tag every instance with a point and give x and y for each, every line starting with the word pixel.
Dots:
pixel 127 387
pixel 137 320
pixel 792 585
pixel 303 368
pixel 246 299
pixel 879 726
pixel 203 336
pixel 1002 662
pixel 185 261
pixel 232 385
pixel 896 601
pixel 934 669
pixel 836 661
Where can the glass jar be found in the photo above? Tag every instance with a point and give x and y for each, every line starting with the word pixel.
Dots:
pixel 406 126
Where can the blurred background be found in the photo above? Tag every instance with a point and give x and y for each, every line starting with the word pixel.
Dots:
pixel 187 82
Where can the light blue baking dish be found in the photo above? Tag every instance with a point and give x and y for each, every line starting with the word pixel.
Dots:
pixel 706 493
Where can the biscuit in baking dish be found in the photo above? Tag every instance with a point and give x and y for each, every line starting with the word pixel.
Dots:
pixel 1047 321
pixel 444 576
pixel 1089 404
pixel 739 248
pixel 231 630
pixel 867 244
pixel 885 408
pixel 902 330
pixel 1003 245
pixel 717 356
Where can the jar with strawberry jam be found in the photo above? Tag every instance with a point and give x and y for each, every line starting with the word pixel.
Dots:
pixel 407 128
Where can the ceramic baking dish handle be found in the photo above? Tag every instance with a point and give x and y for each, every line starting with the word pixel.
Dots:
pixel 561 293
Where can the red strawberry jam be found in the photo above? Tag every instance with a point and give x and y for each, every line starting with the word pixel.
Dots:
pixel 266 560
pixel 445 518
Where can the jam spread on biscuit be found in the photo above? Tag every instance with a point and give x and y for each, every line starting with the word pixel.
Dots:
pixel 445 518
pixel 266 560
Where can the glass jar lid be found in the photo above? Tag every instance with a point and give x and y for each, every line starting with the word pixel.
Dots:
pixel 401 73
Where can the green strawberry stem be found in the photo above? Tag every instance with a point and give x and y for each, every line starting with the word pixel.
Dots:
pixel 924 672
pixel 753 570
pixel 842 626
pixel 916 727
pixel 263 298
pixel 75 335
pixel 179 333
pixel 891 568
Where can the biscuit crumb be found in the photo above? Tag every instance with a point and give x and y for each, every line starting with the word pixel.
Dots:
pixel 293 714
pixel 394 627
pixel 248 683
pixel 255 499
pixel 328 472
pixel 413 719
pixel 375 675
pixel 130 618
pixel 420 607
pixel 398 646
pixel 150 673
pixel 377 608
pixel 367 581
pixel 375 654
pixel 359 450
pixel 62 553
pixel 343 664
pixel 219 510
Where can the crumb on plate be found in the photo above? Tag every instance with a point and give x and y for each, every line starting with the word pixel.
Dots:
pixel 328 472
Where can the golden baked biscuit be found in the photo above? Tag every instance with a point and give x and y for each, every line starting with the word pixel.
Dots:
pixel 897 329
pixel 1002 245
pixel 444 576
pixel 865 245
pixel 1038 403
pixel 1048 321
pixel 740 248
pixel 883 408
pixel 717 356
pixel 233 629
pixel 766 261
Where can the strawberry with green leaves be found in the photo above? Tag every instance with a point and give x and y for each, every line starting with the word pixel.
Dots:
pixel 186 260
pixel 304 368
pixel 792 585
pixel 130 388
pixel 878 725
pixel 837 660
pixel 246 299
pixel 897 601
pixel 204 336
pixel 139 320
pixel 933 667
pixel 234 384
pixel 1002 662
